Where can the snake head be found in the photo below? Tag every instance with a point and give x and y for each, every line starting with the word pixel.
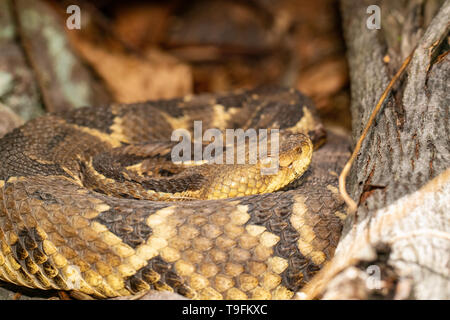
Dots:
pixel 294 157
pixel 295 153
pixel 283 164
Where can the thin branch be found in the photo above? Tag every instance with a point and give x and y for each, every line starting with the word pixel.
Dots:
pixel 352 206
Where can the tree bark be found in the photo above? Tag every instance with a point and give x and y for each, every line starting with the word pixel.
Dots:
pixel 65 82
pixel 400 179
pixel 18 86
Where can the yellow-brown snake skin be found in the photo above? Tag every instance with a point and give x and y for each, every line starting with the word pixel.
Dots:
pixel 90 201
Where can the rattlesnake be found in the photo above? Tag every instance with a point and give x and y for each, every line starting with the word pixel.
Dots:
pixel 90 201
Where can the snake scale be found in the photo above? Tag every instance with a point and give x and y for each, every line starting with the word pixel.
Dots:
pixel 90 202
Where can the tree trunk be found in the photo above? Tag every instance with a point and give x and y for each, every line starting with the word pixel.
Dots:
pixel 400 180
pixel 18 87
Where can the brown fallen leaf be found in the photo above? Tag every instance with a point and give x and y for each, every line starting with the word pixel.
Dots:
pixel 325 79
pixel 141 24
pixel 133 78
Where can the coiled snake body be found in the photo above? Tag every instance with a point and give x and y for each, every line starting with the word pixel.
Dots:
pixel 90 202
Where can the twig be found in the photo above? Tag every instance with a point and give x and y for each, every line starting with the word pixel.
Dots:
pixel 352 206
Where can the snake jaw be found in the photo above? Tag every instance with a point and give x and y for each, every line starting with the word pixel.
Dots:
pixel 301 164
